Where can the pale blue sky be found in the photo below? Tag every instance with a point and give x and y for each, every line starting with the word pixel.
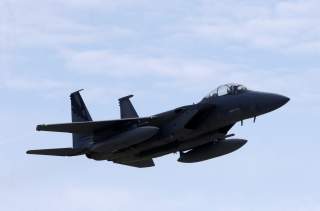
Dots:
pixel 166 53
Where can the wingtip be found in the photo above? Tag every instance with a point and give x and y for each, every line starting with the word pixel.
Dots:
pixel 38 128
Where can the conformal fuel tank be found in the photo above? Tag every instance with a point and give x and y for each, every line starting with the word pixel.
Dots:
pixel 125 139
pixel 211 150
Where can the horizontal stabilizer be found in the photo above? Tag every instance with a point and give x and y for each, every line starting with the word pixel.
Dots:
pixel 89 127
pixel 57 152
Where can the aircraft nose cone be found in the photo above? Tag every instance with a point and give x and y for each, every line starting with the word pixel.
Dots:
pixel 267 102
pixel 285 99
pixel 276 101
pixel 280 100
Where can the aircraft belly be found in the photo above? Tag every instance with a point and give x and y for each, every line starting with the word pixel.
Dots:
pixel 162 144
pixel 125 140
pixel 170 134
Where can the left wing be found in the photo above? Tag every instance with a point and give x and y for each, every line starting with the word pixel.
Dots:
pixel 89 127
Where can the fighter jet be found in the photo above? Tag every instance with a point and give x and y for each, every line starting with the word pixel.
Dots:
pixel 198 131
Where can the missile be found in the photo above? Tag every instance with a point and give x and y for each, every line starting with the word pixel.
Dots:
pixel 125 139
pixel 211 150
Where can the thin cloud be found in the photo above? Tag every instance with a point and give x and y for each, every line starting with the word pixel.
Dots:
pixel 276 26
pixel 167 54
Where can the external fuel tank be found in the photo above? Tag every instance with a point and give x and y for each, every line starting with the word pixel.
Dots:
pixel 211 150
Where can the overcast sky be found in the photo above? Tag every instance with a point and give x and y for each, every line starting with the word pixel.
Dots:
pixel 168 54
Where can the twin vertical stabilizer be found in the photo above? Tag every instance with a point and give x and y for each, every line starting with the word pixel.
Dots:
pixel 82 126
pixel 126 108
pixel 79 113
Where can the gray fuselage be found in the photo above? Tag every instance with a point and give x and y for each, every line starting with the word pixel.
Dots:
pixel 211 124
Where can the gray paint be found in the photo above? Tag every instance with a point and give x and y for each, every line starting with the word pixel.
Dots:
pixel 197 131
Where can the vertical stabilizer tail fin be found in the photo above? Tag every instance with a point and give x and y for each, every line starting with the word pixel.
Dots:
pixel 126 108
pixel 79 109
pixel 79 113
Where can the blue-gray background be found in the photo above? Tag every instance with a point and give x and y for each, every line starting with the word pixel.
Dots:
pixel 167 53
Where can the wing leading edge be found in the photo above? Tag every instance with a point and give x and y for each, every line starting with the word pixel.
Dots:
pixel 89 126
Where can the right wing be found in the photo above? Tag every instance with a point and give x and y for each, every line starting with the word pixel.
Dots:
pixel 90 126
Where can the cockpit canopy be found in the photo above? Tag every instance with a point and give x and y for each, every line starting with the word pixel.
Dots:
pixel 227 89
